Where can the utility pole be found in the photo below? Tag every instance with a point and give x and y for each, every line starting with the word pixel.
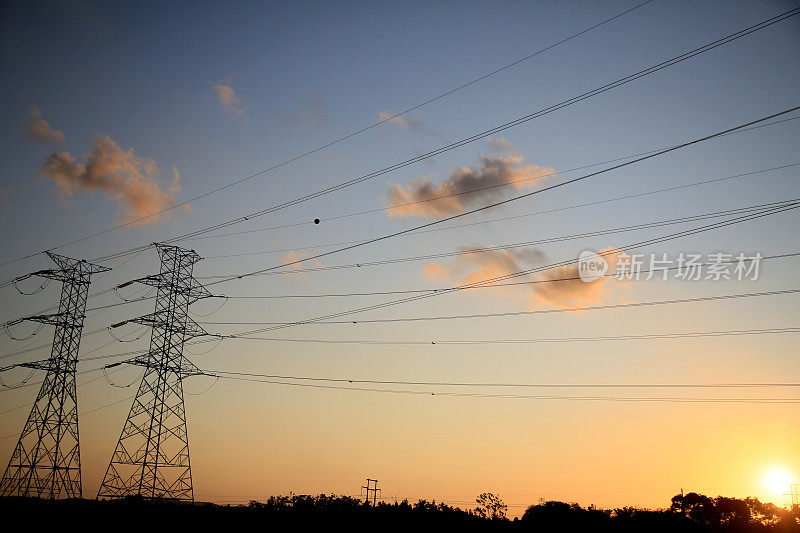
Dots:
pixel 372 486
pixel 794 493
pixel 151 458
pixel 46 462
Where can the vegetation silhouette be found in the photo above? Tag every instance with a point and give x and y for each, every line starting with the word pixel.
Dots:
pixel 688 513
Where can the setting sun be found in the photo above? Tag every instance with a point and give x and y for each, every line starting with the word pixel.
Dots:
pixel 777 481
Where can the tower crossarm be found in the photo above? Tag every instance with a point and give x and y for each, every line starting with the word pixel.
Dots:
pixel 184 368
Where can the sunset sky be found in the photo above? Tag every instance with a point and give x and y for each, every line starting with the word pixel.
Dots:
pixel 112 112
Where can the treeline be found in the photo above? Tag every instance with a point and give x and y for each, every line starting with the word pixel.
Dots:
pixel 689 513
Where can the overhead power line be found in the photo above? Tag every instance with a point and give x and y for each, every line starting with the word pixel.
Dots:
pixel 643 399
pixel 520 313
pixel 509 184
pixel 487 249
pixel 11 282
pixel 507 125
pixel 521 120
pixel 378 293
pixel 349 135
pixel 90 411
pixel 640 244
pixel 248 336
pixel 501 247
pixel 512 199
pixel 516 385
pixel 487 286
pixel 649 336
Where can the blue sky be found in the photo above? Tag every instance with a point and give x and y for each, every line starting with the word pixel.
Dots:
pixel 146 75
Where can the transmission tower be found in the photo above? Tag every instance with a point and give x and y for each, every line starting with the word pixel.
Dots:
pixel 151 459
pixel 46 462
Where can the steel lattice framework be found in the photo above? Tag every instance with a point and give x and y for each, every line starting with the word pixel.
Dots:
pixel 151 458
pixel 46 462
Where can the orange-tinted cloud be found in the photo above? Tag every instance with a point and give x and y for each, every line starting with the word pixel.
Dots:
pixel 490 180
pixel 573 292
pixel 388 116
pixel 476 265
pixel 41 131
pixel 291 257
pixel 407 121
pixel 558 287
pixel 227 97
pixel 500 145
pixel 124 177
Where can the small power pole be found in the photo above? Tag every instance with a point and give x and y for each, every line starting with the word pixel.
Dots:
pixel 794 493
pixel 372 487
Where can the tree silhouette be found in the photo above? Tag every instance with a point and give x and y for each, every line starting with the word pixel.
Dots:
pixel 491 507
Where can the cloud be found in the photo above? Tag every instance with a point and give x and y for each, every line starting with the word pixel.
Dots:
pixel 471 268
pixel 574 292
pixel 406 121
pixel 292 256
pixel 227 97
pixel 129 180
pixel 41 131
pixel 500 145
pixel 476 265
pixel 467 186
pixel 314 113
pixel 388 116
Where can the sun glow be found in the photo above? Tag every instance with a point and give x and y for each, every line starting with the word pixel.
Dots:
pixel 777 481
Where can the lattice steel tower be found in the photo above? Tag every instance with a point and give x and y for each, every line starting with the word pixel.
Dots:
pixel 152 455
pixel 46 462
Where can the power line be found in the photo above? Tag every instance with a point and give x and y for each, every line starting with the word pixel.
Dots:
pixel 488 315
pixel 416 291
pixel 487 286
pixel 39 347
pixel 521 313
pixel 636 195
pixel 348 136
pixel 90 411
pixel 637 245
pixel 29 405
pixel 500 247
pixel 512 199
pixel 524 396
pixel 486 133
pixel 324 320
pixel 507 125
pixel 649 336
pixel 479 189
pixel 518 385
pixel 450 317
pixel 113 289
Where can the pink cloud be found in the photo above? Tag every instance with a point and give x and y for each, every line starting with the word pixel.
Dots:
pixel 129 180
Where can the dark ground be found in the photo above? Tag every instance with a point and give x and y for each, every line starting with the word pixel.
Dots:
pixel 695 513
